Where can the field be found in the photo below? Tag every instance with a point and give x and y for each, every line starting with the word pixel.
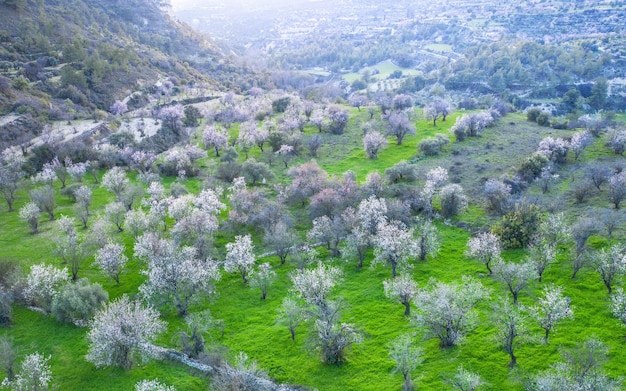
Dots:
pixel 250 323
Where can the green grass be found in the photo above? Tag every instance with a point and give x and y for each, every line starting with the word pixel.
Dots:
pixel 250 323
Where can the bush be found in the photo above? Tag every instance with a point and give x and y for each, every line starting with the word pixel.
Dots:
pixel 453 200
pixel 533 114
pixel 78 301
pixel 401 172
pixel 543 119
pixel 532 166
pixel 517 228
pixel 432 146
pixel 280 104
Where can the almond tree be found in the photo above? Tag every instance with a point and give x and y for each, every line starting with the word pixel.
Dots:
pixel 314 285
pixel 428 241
pixel 330 232
pixel 407 356
pixel 176 276
pixel 43 283
pixel 552 308
pixel 617 189
pixel 115 181
pixel 514 275
pixel 446 310
pixel 69 247
pixel 240 256
pixel 263 278
pixel 291 315
pixel 511 328
pixel 83 202
pixel 609 264
pixel 541 255
pixel 11 172
pixel 374 141
pixel 464 380
pixel 618 305
pixel 394 244
pixel 152 385
pixel 486 248
pixel 44 198
pixel 111 260
pixel 400 126
pixel 34 374
pixel 280 239
pixel 402 289
pixel 31 214
pixel 122 331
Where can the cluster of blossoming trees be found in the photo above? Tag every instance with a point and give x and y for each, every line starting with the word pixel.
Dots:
pixel 389 216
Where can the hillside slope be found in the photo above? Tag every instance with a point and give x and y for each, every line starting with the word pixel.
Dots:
pixel 62 60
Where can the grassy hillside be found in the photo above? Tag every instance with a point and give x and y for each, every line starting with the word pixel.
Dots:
pixel 250 323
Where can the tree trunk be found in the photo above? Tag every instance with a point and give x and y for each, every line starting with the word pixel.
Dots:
pixel 513 359
pixel 292 330
pixel 489 268
pixel 545 337
pixel 407 308
pixel 393 269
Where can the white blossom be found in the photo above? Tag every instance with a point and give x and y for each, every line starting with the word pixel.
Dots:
pixel 43 283
pixel 402 289
pixel 120 331
pixel 395 245
pixel 315 285
pixel 111 260
pixel 240 256
pixel 34 374
pixel 552 308
pixel 486 248
pixel 446 310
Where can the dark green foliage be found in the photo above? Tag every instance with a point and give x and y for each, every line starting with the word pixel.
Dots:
pixel 401 172
pixel 543 119
pixel 531 167
pixel 432 146
pixel 122 139
pixel 280 105
pixel 255 172
pixel 518 227
pixel 533 114
pixel 192 115
pixel 78 301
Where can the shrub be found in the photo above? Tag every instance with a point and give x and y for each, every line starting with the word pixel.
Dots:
pixel 432 146
pixel 518 227
pixel 533 114
pixel 78 301
pixel 453 200
pixel 532 166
